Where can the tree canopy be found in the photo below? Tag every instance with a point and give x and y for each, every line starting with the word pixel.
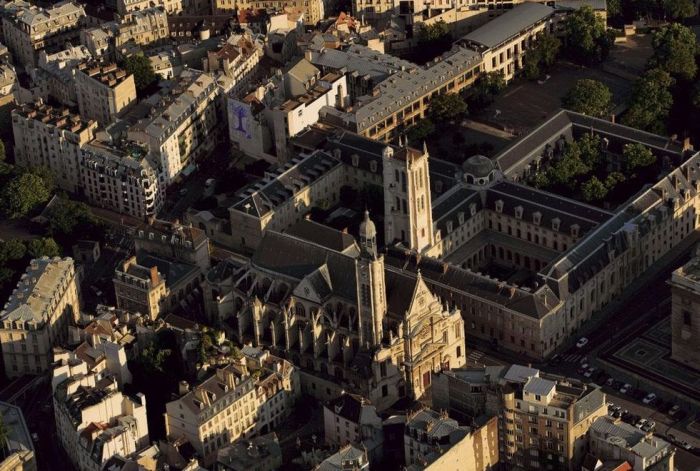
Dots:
pixel 651 102
pixel 589 97
pixel 436 32
pixel 446 107
pixel 22 194
pixel 485 89
pixel 140 66
pixel 421 130
pixel 69 220
pixel 43 247
pixel 542 56
pixel 593 189
pixel 674 51
pixel 637 155
pixel 587 39
pixel 679 9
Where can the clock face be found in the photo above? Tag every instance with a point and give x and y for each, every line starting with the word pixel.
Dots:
pixel 240 120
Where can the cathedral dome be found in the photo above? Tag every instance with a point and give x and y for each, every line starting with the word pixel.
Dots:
pixel 478 166
pixel 367 228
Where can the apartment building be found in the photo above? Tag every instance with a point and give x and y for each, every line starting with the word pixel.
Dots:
pixel 28 29
pixel 225 407
pixel 174 241
pixel 55 73
pixel 104 91
pixel 52 138
pixel 542 420
pixel 171 7
pixel 348 457
pixel 147 26
pixel 99 40
pixel 95 420
pixel 36 316
pixel 386 99
pixel 313 10
pixel 180 123
pixel 154 285
pixel 351 419
pixel 613 441
pixel 276 202
pixel 433 441
pixel 261 453
pixel 19 447
pixel 8 81
pixel 261 123
pixel 685 314
pixel 503 41
pixel 238 60
pixel 121 178
pixel 140 289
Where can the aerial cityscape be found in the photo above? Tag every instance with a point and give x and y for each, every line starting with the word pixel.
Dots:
pixel 333 235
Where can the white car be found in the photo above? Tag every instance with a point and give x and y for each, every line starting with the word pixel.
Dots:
pixel 641 423
pixel 626 388
pixel 582 342
pixel 651 397
pixel 674 410
pixel 590 372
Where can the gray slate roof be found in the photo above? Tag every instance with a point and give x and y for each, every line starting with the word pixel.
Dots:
pixel 509 24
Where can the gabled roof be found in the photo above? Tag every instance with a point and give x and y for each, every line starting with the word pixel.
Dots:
pixel 295 258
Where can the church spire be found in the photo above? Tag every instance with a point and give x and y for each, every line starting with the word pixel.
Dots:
pixel 368 236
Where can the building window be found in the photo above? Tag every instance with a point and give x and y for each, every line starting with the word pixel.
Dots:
pixel 687 318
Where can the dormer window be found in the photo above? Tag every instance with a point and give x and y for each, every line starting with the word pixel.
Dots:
pixel 499 206
pixel 555 224
pixel 518 212
pixel 373 166
pixel 472 209
pixel 449 226
pixel 575 230
pixel 460 217
pixel 355 160
pixel 537 217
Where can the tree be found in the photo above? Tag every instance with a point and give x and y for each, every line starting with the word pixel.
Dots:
pixel 11 249
pixel 43 247
pixel 593 190
pixel 637 155
pixel 420 131
pixel 485 88
pixel 589 97
pixel 678 9
pixel 22 194
pixel 613 179
pixel 674 51
pixel 587 40
pixel 153 358
pixel 589 150
pixel 446 107
pixel 66 216
pixel 541 56
pixel 436 32
pixel 140 67
pixel 651 102
pixel 2 151
pixel 540 180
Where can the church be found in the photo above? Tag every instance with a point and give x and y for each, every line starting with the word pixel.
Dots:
pixel 318 298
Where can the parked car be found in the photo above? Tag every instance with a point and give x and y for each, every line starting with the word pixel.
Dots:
pixel 651 397
pixel 610 381
pixel 626 388
pixel 640 423
pixel 590 372
pixel 582 342
pixel 674 410
pixel 183 192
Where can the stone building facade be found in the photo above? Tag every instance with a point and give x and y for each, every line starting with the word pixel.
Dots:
pixel 36 316
pixel 685 314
